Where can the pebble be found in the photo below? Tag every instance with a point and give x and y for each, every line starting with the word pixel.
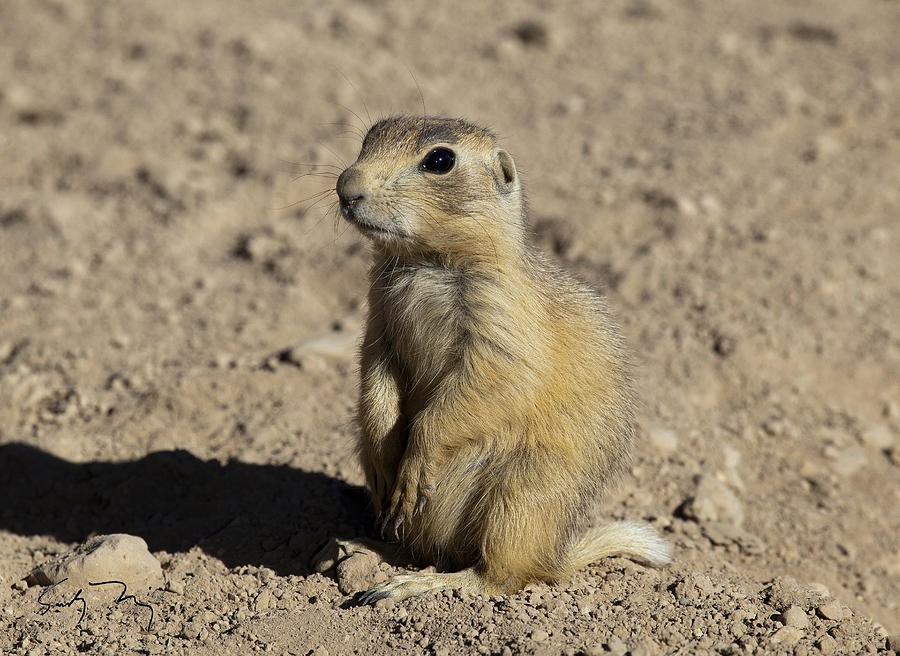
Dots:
pixel 831 610
pixel 785 592
pixel 357 573
pixel 893 455
pixel 333 552
pixel 846 461
pixel 713 501
pixel 893 643
pixel 585 607
pixel 694 587
pixel 732 456
pixel 336 345
pixel 686 206
pixel 710 204
pixel 616 647
pixel 263 600
pixel 662 439
pixel 190 630
pixel 821 588
pixel 102 558
pixel 175 586
pixel 827 645
pixel 879 437
pixel 6 350
pixel 539 635
pixel 262 246
pixel 796 617
pixel 787 636
pixel 27 105
pixel 890 410
pixel 641 650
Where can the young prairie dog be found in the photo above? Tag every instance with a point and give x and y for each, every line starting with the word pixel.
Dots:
pixel 495 401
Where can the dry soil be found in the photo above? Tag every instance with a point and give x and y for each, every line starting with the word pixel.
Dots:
pixel 179 311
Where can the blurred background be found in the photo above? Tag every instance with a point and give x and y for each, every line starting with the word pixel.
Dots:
pixel 180 304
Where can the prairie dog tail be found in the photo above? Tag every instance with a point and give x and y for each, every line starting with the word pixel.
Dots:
pixel 620 539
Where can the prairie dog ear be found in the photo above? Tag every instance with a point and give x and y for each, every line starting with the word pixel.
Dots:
pixel 505 171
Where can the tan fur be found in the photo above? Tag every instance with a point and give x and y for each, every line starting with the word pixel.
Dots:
pixel 495 402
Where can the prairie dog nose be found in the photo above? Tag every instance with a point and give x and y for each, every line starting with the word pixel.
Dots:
pixel 350 187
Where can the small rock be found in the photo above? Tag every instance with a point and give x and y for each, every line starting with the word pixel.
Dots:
pixel 190 630
pixel 787 636
pixel 722 533
pixel 6 350
pixel 846 461
pixel 785 592
pixel 662 439
pixel 327 557
pixel 539 635
pixel 827 645
pixel 117 163
pixel 732 456
pixel 175 586
pixel 831 610
pixel 385 604
pixel 616 647
pixel 340 346
pixel 710 204
pixel 261 247
pixel 21 586
pixel 890 410
pixel 686 206
pixel 585 607
pixel 531 33
pixel 729 43
pixel 263 600
pixel 27 106
pixel 794 616
pixel 827 146
pixel 357 573
pixel 693 588
pixel 879 437
pixel 892 642
pixel 893 455
pixel 713 501
pixel 118 557
pixel 820 588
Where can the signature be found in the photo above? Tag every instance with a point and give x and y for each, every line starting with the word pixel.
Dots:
pixel 48 605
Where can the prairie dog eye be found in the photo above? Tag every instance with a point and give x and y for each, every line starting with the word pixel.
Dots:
pixel 439 160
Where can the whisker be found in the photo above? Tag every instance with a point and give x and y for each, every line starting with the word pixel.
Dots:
pixel 316 174
pixel 363 100
pixel 358 117
pixel 319 195
pixel 337 157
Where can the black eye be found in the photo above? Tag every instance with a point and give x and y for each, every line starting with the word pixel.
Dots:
pixel 439 160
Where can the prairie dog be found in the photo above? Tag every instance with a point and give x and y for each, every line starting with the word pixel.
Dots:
pixel 495 401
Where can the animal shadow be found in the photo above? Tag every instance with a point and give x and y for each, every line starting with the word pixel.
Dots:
pixel 263 515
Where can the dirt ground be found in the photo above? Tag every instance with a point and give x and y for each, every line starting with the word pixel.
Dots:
pixel 179 312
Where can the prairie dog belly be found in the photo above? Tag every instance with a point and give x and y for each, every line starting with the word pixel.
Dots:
pixel 422 322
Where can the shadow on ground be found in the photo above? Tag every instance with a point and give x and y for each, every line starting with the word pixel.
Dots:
pixel 263 515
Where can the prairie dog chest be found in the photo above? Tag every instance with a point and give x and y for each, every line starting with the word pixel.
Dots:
pixel 424 310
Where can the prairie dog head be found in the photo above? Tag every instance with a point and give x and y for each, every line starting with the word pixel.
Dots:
pixel 434 186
